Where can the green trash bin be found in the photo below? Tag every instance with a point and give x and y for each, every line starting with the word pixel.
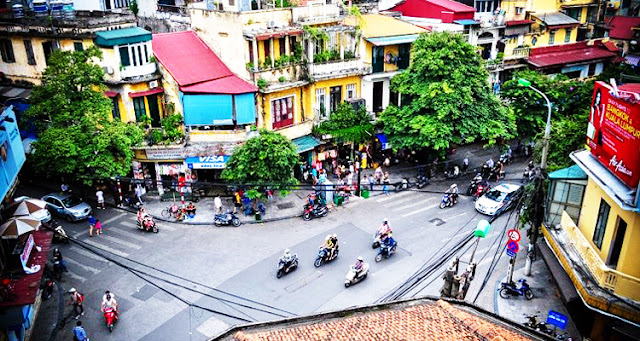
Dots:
pixel 364 193
pixel 338 200
pixel 258 216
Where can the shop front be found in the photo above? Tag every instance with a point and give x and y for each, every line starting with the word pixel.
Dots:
pixel 161 169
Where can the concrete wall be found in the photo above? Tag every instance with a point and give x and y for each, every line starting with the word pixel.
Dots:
pixel 165 22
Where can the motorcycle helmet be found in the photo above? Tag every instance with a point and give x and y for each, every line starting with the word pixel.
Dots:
pixel 360 258
pixel 72 290
pixel 385 221
pixel 454 186
pixel 328 237
pixel 334 235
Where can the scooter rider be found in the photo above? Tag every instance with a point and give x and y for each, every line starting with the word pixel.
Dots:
pixel 359 265
pixel 334 243
pixel 384 229
pixel 453 192
pixel 109 301
pixel 57 257
pixel 287 257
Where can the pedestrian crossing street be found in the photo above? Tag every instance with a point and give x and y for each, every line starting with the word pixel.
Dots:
pixel 120 237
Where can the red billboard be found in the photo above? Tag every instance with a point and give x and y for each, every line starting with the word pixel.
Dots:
pixel 613 133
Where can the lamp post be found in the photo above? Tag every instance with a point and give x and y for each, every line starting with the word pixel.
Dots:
pixel 543 168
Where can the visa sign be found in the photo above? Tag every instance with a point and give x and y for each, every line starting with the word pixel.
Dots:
pixel 207 162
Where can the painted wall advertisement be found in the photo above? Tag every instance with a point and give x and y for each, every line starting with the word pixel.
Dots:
pixel 613 133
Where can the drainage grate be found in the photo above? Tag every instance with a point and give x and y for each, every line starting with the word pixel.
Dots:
pixel 285 205
pixel 437 221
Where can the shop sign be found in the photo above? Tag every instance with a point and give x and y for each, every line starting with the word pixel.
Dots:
pixel 207 162
pixel 613 134
pixel 164 154
pixel 26 252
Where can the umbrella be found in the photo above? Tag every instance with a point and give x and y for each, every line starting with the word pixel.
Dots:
pixel 27 207
pixel 18 226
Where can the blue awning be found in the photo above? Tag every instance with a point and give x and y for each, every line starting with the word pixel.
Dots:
pixel 394 40
pixel 123 36
pixel 570 173
pixel 306 143
pixel 466 22
pixel 383 141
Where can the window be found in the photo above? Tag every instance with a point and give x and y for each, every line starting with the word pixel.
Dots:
pixel 31 59
pixel 404 56
pixel 267 48
pixel 484 6
pixel 282 111
pixel 351 90
pixel 519 10
pixel 124 56
pixel 601 223
pixel 77 45
pixel 565 195
pixel 232 3
pixel 567 35
pixel 6 49
pixel 139 55
pixel 140 109
pixel 47 48
pixel 146 53
pixel 282 45
pixel 321 103
pixel 575 13
pixel 115 109
pixel 552 37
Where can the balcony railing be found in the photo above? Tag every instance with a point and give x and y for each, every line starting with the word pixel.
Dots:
pixel 607 278
pixel 339 66
pixel 288 73
pixel 315 13
pixel 519 52
pixel 218 136
pixel 140 70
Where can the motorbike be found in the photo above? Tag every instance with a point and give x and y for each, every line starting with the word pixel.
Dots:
pixel 228 218
pixel 533 323
pixel 402 185
pixel 353 276
pixel 448 200
pixel 285 267
pixel 132 201
pixel 324 256
pixel 386 250
pixel 109 317
pixel 505 158
pixel 316 211
pixel 148 226
pixel 422 181
pixel 47 287
pixel 509 289
pixel 481 190
pixel 377 240
pixel 473 184
pixel 528 174
pixel 58 269
pixel 452 173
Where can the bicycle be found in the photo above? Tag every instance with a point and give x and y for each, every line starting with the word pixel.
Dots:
pixel 170 211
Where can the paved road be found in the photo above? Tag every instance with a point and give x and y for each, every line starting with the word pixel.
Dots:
pixel 242 261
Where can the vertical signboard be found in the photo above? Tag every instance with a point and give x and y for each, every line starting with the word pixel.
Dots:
pixel 613 133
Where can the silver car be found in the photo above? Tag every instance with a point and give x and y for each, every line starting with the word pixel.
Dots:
pixel 67 205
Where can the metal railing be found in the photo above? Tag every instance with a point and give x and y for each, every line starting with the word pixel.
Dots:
pixel 315 12
pixel 519 52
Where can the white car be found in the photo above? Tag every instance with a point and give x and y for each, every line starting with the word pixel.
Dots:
pixel 499 199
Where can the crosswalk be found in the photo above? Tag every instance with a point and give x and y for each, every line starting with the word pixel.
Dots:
pixel 120 237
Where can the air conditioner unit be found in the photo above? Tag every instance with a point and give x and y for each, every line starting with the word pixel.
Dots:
pixel 153 84
pixel 108 70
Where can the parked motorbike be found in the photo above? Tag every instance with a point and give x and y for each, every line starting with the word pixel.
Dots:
pixel 512 289
pixel 353 276
pixel 386 250
pixel 109 317
pixel 473 184
pixel 402 185
pixel 46 286
pixel 324 256
pixel 132 201
pixel 58 269
pixel 448 200
pixel 228 218
pixel 534 323
pixel 453 173
pixel 148 225
pixel 316 211
pixel 285 267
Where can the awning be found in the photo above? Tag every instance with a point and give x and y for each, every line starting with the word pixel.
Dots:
pixel 8 92
pixel 383 141
pixel 556 20
pixel 278 34
pixel 146 93
pixel 570 173
pixel 466 22
pixel 394 40
pixel 306 143
pixel 110 93
pixel 518 22
pixel 123 36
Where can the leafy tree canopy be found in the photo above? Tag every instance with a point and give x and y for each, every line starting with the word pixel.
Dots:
pixel 445 98
pixel 76 136
pixel 348 125
pixel 265 159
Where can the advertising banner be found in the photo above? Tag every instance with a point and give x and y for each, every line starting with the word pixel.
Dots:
pixel 613 134
pixel 207 162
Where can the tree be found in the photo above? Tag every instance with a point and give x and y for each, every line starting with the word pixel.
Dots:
pixel 445 98
pixel 267 159
pixel 76 136
pixel 348 125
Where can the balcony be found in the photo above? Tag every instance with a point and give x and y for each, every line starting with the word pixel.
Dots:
pixel 316 13
pixel 340 67
pixel 296 130
pixel 578 257
pixel 137 71
pixel 200 136
pixel 281 74
pixel 519 52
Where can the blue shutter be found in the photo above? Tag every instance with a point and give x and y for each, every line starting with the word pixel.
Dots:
pixel 207 109
pixel 246 108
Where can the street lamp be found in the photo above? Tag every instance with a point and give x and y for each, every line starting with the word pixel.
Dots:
pixel 547 129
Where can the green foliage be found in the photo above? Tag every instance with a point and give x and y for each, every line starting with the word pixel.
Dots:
pixel 282 79
pixel 282 61
pixel 172 127
pixel 315 33
pixel 133 7
pixel 347 124
pixel 284 4
pixel 616 71
pixel 267 63
pixel 155 136
pixel 349 54
pixel 76 136
pixel 297 53
pixel 265 159
pixel 567 135
pixel 249 66
pixel 262 83
pixel 446 98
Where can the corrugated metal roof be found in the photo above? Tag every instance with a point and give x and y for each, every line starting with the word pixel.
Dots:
pixel 622 27
pixel 228 85
pixel 555 19
pixel 306 143
pixel 384 41
pixel 567 54
pixel 123 36
pixel 573 172
pixel 377 25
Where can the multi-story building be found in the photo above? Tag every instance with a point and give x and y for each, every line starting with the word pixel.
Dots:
pixel 130 69
pixel 593 222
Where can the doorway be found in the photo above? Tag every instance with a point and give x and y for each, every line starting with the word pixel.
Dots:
pixel 335 97
pixel 377 96
pixel 378 59
pixel 616 245
pixel 152 100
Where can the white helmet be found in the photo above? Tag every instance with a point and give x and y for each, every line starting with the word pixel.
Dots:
pixel 454 186
pixel 385 220
pixel 287 252
pixel 328 237
pixel 360 258
pixel 335 235
pixel 72 290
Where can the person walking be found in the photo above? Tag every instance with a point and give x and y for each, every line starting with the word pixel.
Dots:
pixel 100 198
pixel 237 201
pixel 217 203
pixel 79 333
pixel 385 183
pixel 98 227
pixel 372 181
pixel 139 193
pixel 92 224
pixel 77 299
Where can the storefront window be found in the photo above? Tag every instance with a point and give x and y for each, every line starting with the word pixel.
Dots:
pixel 282 111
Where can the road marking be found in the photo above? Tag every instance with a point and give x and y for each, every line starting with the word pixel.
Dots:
pixel 88 253
pixel 132 235
pixel 394 196
pixel 114 218
pixel 456 236
pixel 78 234
pixel 85 267
pixel 166 227
pixel 106 248
pixel 455 216
pixel 120 241
pixel 160 227
pixel 414 204
pixel 420 210
pixel 75 276
pixel 400 201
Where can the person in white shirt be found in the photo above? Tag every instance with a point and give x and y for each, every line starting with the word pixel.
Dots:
pixel 217 202
pixel 100 197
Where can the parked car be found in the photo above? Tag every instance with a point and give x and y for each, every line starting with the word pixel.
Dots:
pixel 499 199
pixel 67 205
pixel 42 215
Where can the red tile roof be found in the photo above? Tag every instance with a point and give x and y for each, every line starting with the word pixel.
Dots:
pixel 26 287
pixel 424 320
pixel 519 22
pixel 569 53
pixel 622 27
pixel 453 6
pixel 191 62
pixel 153 91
